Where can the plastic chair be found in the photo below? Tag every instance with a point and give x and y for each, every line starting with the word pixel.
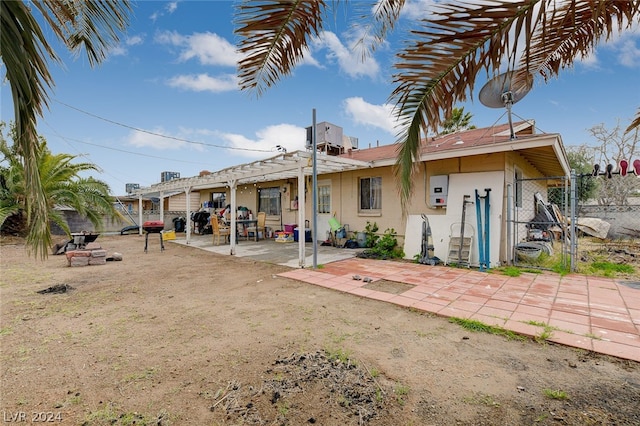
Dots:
pixel 338 232
pixel 219 231
pixel 260 226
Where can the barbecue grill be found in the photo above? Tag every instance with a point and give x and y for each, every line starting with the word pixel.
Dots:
pixel 153 227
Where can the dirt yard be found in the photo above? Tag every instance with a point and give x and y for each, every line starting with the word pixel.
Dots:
pixel 188 337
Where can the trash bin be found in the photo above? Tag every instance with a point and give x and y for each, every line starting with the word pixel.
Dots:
pixel 179 224
pixel 307 235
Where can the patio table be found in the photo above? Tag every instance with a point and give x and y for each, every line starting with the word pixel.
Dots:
pixel 246 223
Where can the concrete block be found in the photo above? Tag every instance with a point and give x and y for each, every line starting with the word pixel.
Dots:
pixel 98 253
pixel 79 261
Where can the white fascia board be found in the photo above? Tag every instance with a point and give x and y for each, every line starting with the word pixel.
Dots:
pixel 507 146
pixel 561 154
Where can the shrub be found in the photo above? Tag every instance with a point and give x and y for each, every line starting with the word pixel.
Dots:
pixel 371 236
pixel 385 247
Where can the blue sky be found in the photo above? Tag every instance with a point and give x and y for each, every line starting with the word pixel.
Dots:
pixel 174 75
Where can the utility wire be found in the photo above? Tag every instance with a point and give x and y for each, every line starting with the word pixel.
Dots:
pixel 158 134
pixel 131 152
pixel 99 168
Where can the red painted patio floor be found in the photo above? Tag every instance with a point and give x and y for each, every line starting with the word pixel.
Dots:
pixel 591 313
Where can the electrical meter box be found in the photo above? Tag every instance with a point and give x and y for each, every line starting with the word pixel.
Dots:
pixel 438 190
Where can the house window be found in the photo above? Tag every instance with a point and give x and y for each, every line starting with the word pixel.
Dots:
pixel 218 200
pixel 518 187
pixel 269 201
pixel 370 194
pixel 324 199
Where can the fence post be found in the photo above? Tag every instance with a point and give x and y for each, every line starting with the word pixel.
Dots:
pixel 510 223
pixel 573 251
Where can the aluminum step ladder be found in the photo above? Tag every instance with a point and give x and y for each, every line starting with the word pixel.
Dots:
pixel 459 253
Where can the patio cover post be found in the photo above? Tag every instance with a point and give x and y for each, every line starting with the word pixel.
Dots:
pixel 187 192
pixel 139 213
pixel 233 229
pixel 162 206
pixel 314 193
pixel 301 215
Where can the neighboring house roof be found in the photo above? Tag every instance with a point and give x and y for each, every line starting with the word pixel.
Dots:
pixel 543 151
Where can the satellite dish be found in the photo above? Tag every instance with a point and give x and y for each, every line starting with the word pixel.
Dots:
pixel 505 90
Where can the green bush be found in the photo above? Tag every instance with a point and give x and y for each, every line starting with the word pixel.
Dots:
pixel 386 247
pixel 371 236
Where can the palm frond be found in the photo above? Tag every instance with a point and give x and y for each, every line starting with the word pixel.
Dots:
pixel 89 24
pixel 635 123
pixel 274 36
pixel 25 53
pixel 56 216
pixel 571 30
pixel 461 39
pixel 439 69
pixel 6 211
pixel 375 26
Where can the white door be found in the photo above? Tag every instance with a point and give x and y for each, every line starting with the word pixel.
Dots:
pixel 324 209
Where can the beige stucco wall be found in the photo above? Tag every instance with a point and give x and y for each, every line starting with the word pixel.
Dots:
pixel 345 195
pixel 248 195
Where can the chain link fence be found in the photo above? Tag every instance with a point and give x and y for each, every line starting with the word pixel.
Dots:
pixel 613 203
pixel 560 222
pixel 541 224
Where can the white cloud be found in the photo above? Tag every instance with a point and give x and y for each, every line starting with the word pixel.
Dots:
pixel 171 7
pixel 117 51
pixel 417 9
pixel 590 60
pixel 626 47
pixel 156 140
pixel 134 40
pixel 161 139
pixel 205 83
pixel 308 59
pixel 378 116
pixel 348 59
pixel 629 53
pixel 121 49
pixel 291 137
pixel 208 48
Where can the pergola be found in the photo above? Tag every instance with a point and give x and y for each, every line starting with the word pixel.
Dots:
pixel 296 164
